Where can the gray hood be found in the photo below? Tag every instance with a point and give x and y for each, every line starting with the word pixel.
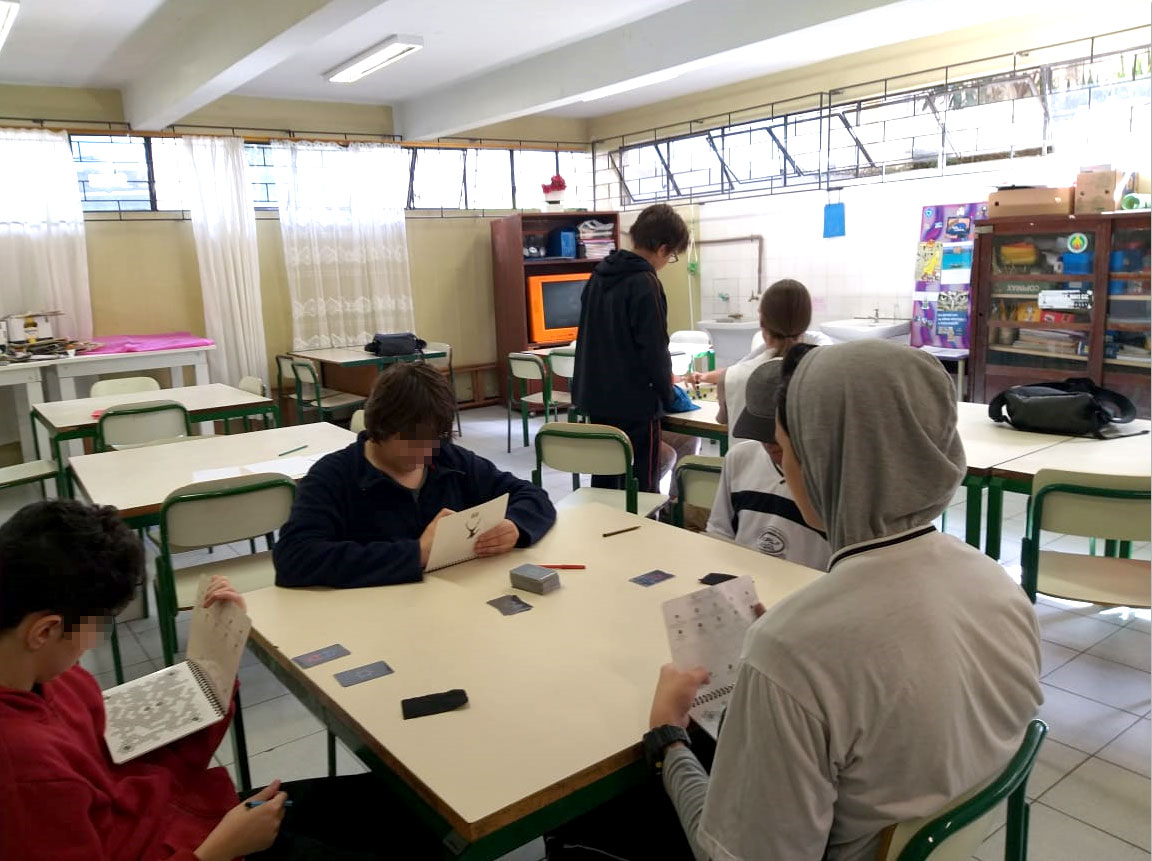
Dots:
pixel 873 425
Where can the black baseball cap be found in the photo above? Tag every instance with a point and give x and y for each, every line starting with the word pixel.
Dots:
pixel 758 421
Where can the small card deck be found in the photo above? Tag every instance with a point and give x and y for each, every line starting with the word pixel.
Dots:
pixel 534 578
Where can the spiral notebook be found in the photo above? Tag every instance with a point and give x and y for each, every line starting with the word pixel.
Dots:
pixel 169 704
pixel 456 534
pixel 706 629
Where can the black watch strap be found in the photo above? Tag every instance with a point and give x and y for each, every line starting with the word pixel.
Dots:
pixel 657 741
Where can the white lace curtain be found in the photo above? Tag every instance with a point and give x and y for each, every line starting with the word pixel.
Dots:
pixel 345 247
pixel 217 191
pixel 43 260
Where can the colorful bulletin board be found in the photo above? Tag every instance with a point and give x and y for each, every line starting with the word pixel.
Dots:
pixel 944 274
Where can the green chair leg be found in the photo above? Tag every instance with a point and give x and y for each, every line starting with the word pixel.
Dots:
pixel 331 754
pixel 240 747
pixel 1125 549
pixel 1111 547
pixel 524 420
pixel 509 414
pixel 455 403
pixel 117 664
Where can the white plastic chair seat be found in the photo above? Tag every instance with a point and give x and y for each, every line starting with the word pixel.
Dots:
pixel 246 573
pixel 339 399
pixel 537 398
pixel 699 484
pixel 24 473
pixel 646 503
pixel 1099 579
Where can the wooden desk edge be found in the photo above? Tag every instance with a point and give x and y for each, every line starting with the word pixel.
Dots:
pixel 470 831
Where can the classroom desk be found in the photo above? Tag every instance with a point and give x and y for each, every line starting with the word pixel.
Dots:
pixel 26 381
pixel 138 480
pixel 702 423
pixel 349 357
pixel 558 696
pixel 65 372
pixel 1129 456
pixel 67 420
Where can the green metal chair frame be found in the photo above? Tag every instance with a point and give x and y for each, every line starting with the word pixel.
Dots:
pixel 692 463
pixel 166 600
pixel 575 414
pixel 1030 546
pixel 1010 784
pixel 550 406
pixel 262 391
pixel 303 403
pixel 446 348
pixel 283 359
pixel 557 429
pixel 134 410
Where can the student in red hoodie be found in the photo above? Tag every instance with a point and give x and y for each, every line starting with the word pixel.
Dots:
pixel 65 569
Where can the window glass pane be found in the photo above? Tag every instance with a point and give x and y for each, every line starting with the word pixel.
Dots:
pixel 534 169
pixel 438 182
pixel 489 179
pixel 166 167
pixel 112 171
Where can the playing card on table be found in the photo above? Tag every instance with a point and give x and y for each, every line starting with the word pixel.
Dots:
pixel 651 578
pixel 320 656
pixel 509 605
pixel 363 674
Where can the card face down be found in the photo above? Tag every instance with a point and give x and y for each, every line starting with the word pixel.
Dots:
pixel 509 605
pixel 651 578
pixel 320 656
pixel 362 674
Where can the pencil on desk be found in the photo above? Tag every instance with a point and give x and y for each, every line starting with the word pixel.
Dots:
pixel 619 532
pixel 291 450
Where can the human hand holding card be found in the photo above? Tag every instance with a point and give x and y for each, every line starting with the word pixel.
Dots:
pixel 454 539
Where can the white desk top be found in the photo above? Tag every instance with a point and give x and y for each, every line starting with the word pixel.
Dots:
pixel 1125 456
pixel 137 480
pixel 701 419
pixel 77 413
pixel 351 357
pixel 559 695
pixel 988 443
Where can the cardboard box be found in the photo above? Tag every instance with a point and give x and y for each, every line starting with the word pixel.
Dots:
pixel 1030 201
pixel 1101 190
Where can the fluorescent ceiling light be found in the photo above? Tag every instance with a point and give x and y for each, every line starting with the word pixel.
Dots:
pixel 632 84
pixel 374 59
pixel 8 10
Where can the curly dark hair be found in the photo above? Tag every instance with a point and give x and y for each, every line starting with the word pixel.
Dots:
pixel 410 398
pixel 66 557
pixel 660 225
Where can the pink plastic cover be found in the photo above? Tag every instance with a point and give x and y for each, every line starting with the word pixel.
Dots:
pixel 147 343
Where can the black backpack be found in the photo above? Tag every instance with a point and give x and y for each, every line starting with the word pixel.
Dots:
pixel 1073 407
pixel 395 344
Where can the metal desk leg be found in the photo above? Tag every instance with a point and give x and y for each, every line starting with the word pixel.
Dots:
pixel 995 517
pixel 975 503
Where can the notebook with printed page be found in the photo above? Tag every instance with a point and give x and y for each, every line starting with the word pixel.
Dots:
pixel 169 704
pixel 706 628
pixel 456 534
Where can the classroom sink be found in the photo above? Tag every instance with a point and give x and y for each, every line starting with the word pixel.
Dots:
pixel 858 329
pixel 731 339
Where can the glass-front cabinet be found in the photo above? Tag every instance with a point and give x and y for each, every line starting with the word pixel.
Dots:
pixel 1062 296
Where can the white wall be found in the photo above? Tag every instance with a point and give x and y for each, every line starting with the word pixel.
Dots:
pixel 870 267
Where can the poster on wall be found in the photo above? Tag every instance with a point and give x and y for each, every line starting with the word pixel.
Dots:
pixel 944 274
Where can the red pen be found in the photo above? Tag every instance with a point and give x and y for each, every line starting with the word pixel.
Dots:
pixel 564 567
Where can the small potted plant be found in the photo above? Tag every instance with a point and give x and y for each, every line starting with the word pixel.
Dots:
pixel 554 193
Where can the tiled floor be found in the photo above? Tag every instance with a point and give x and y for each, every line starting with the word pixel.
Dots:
pixel 1090 784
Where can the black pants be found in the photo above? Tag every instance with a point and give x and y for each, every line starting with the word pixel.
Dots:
pixel 644 434
pixel 349 818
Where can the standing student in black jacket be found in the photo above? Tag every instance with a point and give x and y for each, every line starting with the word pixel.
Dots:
pixel 366 515
pixel 623 373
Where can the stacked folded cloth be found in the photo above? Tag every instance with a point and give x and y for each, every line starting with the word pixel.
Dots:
pixel 595 240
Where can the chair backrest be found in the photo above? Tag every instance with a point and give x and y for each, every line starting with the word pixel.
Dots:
pixel 1098 506
pixel 129 425
pixel 207 513
pixel 439 347
pixel 285 376
pixel 253 385
pixel 697 478
pixel 124 386
pixel 690 336
pixel 356 424
pixel 757 341
pixel 307 380
pixel 563 362
pixel 584 448
pixel 955 832
pixel 527 366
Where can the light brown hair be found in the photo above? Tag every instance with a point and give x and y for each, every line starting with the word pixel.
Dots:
pixel 786 310
pixel 410 398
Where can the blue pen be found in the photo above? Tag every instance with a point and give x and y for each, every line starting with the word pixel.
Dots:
pixel 251 804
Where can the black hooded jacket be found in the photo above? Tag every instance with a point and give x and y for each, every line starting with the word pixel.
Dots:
pixel 623 368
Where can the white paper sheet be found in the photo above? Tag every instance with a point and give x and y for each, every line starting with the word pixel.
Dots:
pixel 293 467
pixel 706 629
pixel 456 533
pixel 213 474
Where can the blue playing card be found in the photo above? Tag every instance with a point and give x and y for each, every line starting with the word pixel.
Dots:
pixel 320 656
pixel 651 578
pixel 363 674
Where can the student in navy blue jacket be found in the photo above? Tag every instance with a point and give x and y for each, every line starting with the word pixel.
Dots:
pixel 366 515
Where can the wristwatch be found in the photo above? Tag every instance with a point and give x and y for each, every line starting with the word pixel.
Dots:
pixel 657 741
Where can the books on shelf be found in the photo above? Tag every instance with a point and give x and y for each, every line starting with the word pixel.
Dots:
pixel 1050 340
pixel 595 249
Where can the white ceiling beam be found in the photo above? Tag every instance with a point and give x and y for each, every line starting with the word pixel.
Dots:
pixel 690 35
pixel 196 51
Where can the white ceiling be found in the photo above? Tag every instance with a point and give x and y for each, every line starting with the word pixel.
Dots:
pixel 484 61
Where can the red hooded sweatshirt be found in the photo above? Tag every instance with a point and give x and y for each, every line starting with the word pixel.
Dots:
pixel 62 798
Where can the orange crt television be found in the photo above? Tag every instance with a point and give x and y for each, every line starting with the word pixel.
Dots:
pixel 554 306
